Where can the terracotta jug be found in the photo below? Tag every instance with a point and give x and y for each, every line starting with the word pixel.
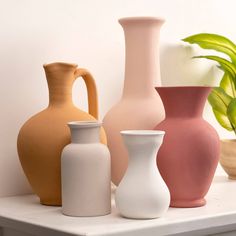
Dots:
pixel 188 158
pixel 43 136
pixel 140 107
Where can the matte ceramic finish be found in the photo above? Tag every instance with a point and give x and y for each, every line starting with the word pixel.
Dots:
pixel 188 158
pixel 142 193
pixel 228 157
pixel 86 172
pixel 43 136
pixel 140 107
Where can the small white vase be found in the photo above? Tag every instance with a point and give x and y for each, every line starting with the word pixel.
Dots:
pixel 86 172
pixel 142 193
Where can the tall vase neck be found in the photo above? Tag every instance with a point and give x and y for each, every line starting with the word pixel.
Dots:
pixel 142 145
pixel 142 70
pixel 180 102
pixel 60 79
pixel 85 132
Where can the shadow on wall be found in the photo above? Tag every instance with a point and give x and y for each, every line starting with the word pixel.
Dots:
pixel 23 94
pixel 179 69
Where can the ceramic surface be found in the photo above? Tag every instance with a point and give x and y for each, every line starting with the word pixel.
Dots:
pixel 228 157
pixel 142 193
pixel 86 172
pixel 42 138
pixel 188 158
pixel 140 107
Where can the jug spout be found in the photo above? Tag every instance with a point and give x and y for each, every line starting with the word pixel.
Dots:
pixel 59 66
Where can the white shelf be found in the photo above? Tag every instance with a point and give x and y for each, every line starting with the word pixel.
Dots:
pixel 24 214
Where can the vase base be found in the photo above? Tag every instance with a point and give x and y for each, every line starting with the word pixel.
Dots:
pixel 50 202
pixel 232 177
pixel 86 215
pixel 188 204
pixel 140 217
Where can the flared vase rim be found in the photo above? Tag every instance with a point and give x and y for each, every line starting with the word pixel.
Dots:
pixel 142 132
pixel 141 19
pixel 58 65
pixel 191 86
pixel 84 124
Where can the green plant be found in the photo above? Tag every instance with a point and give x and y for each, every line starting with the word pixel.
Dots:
pixel 222 98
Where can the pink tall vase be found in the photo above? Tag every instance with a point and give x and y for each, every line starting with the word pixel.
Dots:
pixel 189 155
pixel 140 106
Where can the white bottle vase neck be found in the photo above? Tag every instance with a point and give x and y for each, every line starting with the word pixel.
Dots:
pixel 84 132
pixel 142 67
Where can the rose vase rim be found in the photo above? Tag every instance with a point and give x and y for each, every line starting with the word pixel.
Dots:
pixel 185 86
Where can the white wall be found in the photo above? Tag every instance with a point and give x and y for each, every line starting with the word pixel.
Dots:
pixel 34 32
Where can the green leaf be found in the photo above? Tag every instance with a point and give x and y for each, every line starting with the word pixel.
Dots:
pixel 214 42
pixel 219 100
pixel 231 112
pixel 226 65
pixel 227 83
pixel 223 120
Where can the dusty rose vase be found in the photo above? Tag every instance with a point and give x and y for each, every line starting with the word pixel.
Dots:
pixel 140 106
pixel 188 158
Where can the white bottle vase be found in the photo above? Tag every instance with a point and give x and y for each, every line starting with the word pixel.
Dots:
pixel 142 193
pixel 86 174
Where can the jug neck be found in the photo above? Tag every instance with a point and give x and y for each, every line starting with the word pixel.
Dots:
pixel 184 102
pixel 83 132
pixel 142 69
pixel 60 79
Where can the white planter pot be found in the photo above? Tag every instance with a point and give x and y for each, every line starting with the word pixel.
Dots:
pixel 228 157
pixel 142 193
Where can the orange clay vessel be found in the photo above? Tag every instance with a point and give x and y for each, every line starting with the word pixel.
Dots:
pixel 42 137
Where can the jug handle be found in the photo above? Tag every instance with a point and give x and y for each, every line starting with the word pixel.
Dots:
pixel 91 90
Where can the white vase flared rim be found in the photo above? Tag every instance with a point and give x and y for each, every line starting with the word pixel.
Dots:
pixel 84 124
pixel 142 132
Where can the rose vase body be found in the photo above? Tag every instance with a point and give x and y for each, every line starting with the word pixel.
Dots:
pixel 189 155
pixel 43 136
pixel 139 107
pixel 86 172
pixel 142 193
